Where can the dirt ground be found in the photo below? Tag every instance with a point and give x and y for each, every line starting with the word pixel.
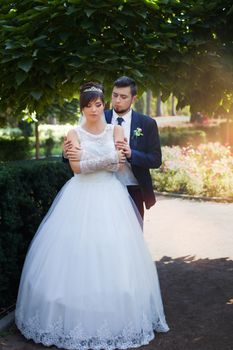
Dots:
pixel 198 301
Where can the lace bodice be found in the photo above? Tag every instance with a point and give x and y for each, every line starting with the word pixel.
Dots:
pixel 98 145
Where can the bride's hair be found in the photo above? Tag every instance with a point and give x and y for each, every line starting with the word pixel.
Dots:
pixel 90 91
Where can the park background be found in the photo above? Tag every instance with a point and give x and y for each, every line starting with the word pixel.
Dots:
pixel 180 53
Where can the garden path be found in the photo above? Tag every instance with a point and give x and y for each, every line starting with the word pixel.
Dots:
pixel 179 227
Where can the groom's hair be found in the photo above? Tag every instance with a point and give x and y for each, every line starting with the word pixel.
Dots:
pixel 125 82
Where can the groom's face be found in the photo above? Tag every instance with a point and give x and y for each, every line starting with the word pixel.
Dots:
pixel 122 99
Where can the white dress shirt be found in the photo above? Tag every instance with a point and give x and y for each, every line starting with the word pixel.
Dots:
pixel 125 175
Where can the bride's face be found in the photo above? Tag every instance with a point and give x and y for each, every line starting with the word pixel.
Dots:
pixel 94 110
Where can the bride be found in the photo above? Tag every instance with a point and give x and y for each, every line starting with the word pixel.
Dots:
pixel 88 280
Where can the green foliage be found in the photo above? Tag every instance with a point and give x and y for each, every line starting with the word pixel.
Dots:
pixel 14 148
pixel 49 48
pixel 27 190
pixel 195 134
pixel 64 111
pixel 48 144
pixel 10 132
pixel 181 136
pixel 214 133
pixel 26 128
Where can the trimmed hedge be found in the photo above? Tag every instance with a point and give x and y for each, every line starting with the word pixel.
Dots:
pixel 196 134
pixel 170 136
pixel 14 149
pixel 27 190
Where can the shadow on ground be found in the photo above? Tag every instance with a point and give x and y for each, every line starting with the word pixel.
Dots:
pixel 198 301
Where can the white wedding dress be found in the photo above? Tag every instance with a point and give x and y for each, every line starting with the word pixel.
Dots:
pixel 88 280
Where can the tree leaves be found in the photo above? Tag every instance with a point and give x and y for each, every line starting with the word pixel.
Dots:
pixel 20 77
pixel 36 94
pixel 48 50
pixel 25 64
pixel 89 12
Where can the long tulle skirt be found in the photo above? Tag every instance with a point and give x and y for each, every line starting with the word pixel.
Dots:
pixel 88 280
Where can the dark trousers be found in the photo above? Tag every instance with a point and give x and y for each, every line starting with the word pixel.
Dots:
pixel 136 195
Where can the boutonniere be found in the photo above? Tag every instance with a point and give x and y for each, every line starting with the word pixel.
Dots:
pixel 137 132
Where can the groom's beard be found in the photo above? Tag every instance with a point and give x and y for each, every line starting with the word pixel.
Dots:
pixel 121 111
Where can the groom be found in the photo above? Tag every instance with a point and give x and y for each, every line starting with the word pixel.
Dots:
pixel 141 145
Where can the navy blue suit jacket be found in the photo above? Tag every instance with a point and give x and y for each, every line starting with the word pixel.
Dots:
pixel 146 152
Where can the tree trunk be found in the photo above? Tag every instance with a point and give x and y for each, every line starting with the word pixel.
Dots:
pixel 148 102
pixel 140 105
pixel 173 111
pixel 159 112
pixel 37 145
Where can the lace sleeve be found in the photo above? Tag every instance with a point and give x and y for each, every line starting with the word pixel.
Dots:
pixel 90 164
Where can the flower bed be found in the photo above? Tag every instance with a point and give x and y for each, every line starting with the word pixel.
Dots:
pixel 204 171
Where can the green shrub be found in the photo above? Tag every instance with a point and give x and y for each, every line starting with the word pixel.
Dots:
pixel 27 190
pixel 26 128
pixel 214 133
pixel 14 148
pixel 48 146
pixel 170 136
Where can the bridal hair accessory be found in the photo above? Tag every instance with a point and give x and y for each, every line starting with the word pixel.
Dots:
pixel 93 88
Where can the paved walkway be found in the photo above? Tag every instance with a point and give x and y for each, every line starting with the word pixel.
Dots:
pixel 192 243
pixel 177 227
pixel 169 120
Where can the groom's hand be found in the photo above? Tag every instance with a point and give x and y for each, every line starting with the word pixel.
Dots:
pixel 120 144
pixel 67 145
pixel 70 152
pixel 127 150
pixel 74 154
pixel 123 145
